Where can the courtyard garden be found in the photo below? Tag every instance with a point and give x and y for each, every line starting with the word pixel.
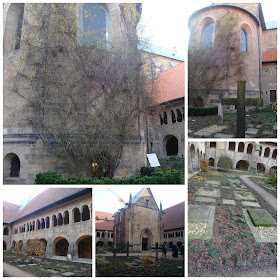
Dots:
pixel 232 228
pixel 260 122
pixel 139 266
pixel 43 267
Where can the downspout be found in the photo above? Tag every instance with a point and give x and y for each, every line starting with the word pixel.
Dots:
pixel 260 69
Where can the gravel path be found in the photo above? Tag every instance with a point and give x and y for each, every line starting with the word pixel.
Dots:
pixel 269 198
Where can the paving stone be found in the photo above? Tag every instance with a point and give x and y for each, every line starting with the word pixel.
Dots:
pixel 31 264
pixel 206 199
pixel 212 182
pixel 214 128
pixel 206 192
pixel 68 273
pixel 201 216
pixel 198 213
pixel 221 135
pixel 240 190
pixel 250 203
pixel 52 271
pixel 202 134
pixel 251 131
pixel 244 196
pixel 229 202
pixel 261 217
pixel 21 265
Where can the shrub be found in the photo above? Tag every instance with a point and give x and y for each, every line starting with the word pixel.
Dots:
pixel 203 111
pixel 272 179
pixel 35 247
pixel 157 176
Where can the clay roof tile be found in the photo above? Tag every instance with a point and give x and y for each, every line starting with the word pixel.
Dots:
pixel 174 217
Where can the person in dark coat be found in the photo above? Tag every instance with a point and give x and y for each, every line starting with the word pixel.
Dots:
pixel 164 249
pixel 175 250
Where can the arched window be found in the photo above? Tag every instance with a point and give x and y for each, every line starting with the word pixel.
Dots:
pixel 77 215
pixel 47 222
pixel 241 147
pixel 85 213
pixel 165 118
pixel 54 219
pixel 43 223
pixel 173 117
pixel 243 40
pixel 94 22
pixel 266 152
pixel 179 115
pixel 59 220
pixel 208 36
pixel 161 119
pixel 103 234
pixel 98 234
pixel 231 146
pixel 274 154
pixel 13 27
pixel 6 231
pixel 249 149
pixel 38 224
pixel 66 218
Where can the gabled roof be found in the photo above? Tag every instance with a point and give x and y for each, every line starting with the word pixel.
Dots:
pixel 50 198
pixel 104 226
pixel 270 55
pixel 104 215
pixel 174 217
pixel 10 210
pixel 170 85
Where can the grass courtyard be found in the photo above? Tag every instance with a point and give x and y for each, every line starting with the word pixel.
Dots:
pixel 231 248
pixel 42 267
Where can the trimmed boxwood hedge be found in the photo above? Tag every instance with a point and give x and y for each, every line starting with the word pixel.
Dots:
pixel 202 111
pixel 148 176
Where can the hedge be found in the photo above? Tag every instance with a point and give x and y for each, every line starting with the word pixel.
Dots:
pixel 148 176
pixel 202 111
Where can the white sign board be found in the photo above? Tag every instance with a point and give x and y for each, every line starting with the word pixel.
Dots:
pixel 153 160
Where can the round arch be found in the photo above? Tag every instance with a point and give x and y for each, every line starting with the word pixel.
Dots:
pixel 61 246
pixel 100 244
pixel 146 239
pixel 83 247
pixel 261 167
pixel 171 145
pixel 242 165
pixel 11 166
pixel 273 169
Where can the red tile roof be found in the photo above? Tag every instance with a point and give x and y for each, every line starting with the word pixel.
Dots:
pixel 103 215
pixel 10 210
pixel 104 226
pixel 174 217
pixel 170 84
pixel 270 55
pixel 46 198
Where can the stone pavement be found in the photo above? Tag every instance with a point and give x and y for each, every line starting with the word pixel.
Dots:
pixel 140 254
pixel 12 271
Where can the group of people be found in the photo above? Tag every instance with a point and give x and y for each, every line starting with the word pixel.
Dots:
pixel 175 249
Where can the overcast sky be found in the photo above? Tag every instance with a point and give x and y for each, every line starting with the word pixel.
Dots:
pixel 106 201
pixel 167 21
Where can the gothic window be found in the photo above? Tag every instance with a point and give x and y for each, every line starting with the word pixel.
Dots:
pixel 173 117
pixel 208 36
pixel 243 40
pixel 15 167
pixel 94 22
pixel 19 29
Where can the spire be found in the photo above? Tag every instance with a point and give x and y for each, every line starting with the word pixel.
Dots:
pixel 130 199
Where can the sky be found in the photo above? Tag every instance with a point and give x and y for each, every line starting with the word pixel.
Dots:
pixel 106 201
pixel 167 21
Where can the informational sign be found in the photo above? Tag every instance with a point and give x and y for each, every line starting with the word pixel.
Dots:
pixel 153 160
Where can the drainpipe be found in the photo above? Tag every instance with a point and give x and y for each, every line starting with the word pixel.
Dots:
pixel 260 62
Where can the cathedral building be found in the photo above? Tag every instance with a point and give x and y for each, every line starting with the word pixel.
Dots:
pixel 252 40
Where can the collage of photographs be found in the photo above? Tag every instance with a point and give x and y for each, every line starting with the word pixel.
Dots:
pixel 95 181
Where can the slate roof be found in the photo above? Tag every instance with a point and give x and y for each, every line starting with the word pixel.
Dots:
pixel 170 84
pixel 174 217
pixel 103 215
pixel 47 198
pixel 270 55
pixel 104 226
pixel 10 210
